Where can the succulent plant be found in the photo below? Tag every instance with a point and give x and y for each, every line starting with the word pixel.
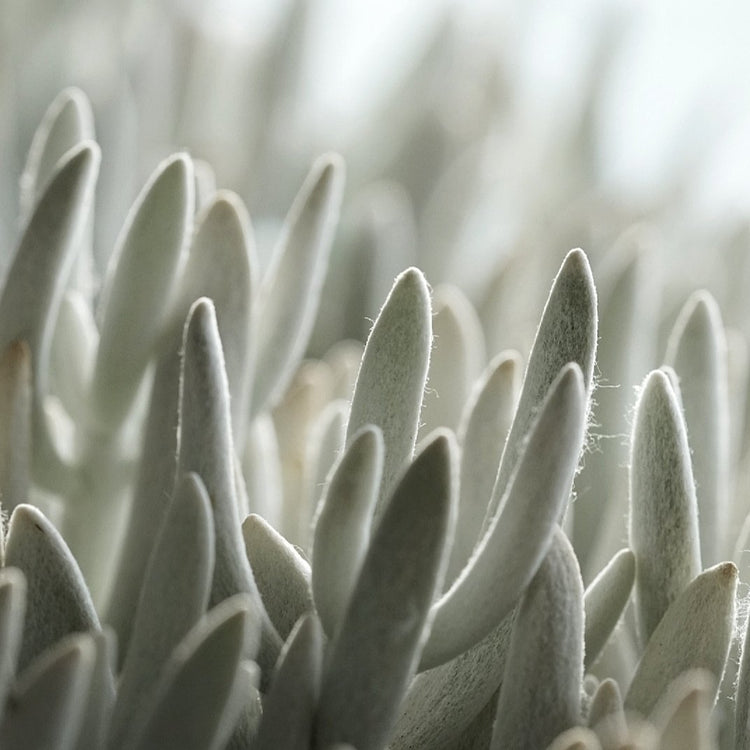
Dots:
pixel 241 517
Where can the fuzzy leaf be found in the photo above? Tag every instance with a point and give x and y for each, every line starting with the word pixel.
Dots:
pixel 442 702
pixel 290 291
pixel 663 510
pixel 683 714
pixel 101 695
pixel 173 598
pixel 67 122
pixel 607 716
pixel 342 528
pixel 604 602
pixel 221 266
pixel 205 447
pixel 373 656
pixel 697 351
pixel 57 600
pixel 520 534
pixel 139 283
pixel 484 428
pixel 12 610
pixel 15 424
pixel 742 697
pixel 46 707
pixel 35 283
pixel 196 704
pixel 575 738
pixel 695 632
pixel 393 373
pixel 541 692
pixel 280 572
pixel 289 707
pixel 456 360
pixel 567 333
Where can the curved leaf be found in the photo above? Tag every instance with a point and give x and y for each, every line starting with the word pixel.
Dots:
pixel 101 694
pixel 392 376
pixel 205 447
pixel 374 654
pixel 482 433
pixel 57 600
pixel 173 598
pixel 290 291
pixel 698 352
pixel 289 707
pixel 138 286
pixel 567 333
pixel 663 509
pixel 604 602
pixel 280 572
pixel 342 527
pixel 520 534
pixel 541 692
pixel 695 632
pixel 12 611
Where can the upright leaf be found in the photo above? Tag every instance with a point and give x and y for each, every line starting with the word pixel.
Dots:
pixel 342 528
pixel 290 291
pixel 138 287
pixel 519 536
pixel 541 692
pixel 374 654
pixel 567 333
pixel 697 351
pixel 695 632
pixel 393 373
pixel 57 600
pixel 12 611
pixel 663 510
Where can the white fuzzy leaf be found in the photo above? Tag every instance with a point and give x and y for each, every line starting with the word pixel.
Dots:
pixel 567 333
pixel 393 373
pixel 698 352
pixel 663 510
pixel 605 600
pixel 342 527
pixel 101 695
pixel 290 291
pixel 520 534
pixel 138 287
pixel 12 611
pixel 289 707
pixel 374 654
pixel 280 572
pixel 174 596
pixel 57 600
pixel 541 692
pixel 695 632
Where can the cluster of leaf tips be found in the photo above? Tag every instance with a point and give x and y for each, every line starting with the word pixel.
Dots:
pixel 230 547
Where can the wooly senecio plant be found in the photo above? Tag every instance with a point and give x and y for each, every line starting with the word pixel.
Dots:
pixel 418 588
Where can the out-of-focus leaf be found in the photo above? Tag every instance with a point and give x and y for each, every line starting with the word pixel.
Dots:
pixel 47 705
pixel 200 695
pixel 138 287
pixel 484 427
pixel 101 695
pixel 173 598
pixel 15 424
pixel 575 738
pixel 663 510
pixel 342 528
pixel 698 352
pixel 393 373
pixel 683 714
pixel 57 600
pixel 205 447
pixel 289 707
pixel 607 716
pixel 541 692
pixel 374 653
pixel 290 290
pixel 522 530
pixel 12 610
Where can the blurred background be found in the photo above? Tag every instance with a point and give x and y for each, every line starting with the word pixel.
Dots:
pixel 474 131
